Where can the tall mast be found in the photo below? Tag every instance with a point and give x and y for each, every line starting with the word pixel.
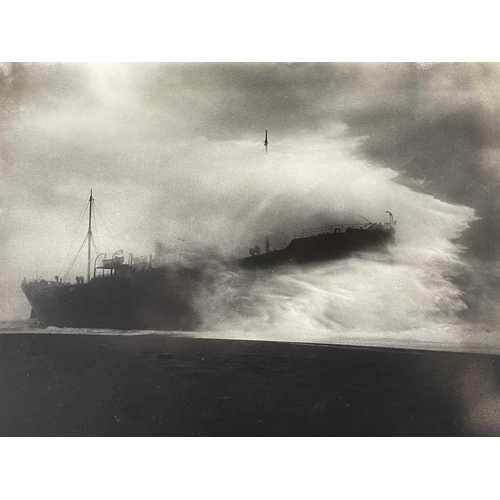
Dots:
pixel 89 237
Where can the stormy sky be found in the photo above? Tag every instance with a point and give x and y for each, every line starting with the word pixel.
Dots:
pixel 174 152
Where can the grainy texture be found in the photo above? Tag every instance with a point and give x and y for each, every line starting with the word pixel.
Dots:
pixel 84 385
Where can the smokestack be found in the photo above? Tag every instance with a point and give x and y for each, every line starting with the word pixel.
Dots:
pixel 268 248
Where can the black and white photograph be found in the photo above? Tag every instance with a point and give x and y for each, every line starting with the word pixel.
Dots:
pixel 250 249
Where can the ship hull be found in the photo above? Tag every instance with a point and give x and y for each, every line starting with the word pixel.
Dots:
pixel 167 298
pixel 322 247
pixel 153 299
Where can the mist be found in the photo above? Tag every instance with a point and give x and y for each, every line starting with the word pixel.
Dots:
pixel 404 294
pixel 174 153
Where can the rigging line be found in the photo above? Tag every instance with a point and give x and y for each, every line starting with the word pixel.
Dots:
pixel 362 217
pixel 95 246
pixel 95 233
pixel 98 237
pixel 74 237
pixel 105 225
pixel 103 245
pixel 68 274
pixel 75 259
pixel 96 240
pixel 94 225
pixel 110 237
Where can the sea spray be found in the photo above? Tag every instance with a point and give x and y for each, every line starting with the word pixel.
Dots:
pixel 409 291
pixel 358 294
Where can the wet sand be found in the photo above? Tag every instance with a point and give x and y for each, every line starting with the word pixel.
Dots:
pixel 157 385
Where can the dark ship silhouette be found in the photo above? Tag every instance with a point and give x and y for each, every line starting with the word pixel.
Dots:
pixel 144 294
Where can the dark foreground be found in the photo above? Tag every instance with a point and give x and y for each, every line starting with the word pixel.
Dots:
pixel 155 385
